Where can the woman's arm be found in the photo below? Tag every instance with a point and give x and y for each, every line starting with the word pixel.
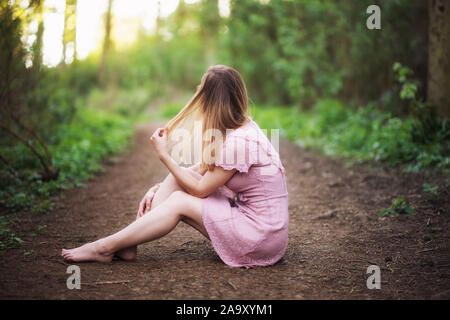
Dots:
pixel 210 181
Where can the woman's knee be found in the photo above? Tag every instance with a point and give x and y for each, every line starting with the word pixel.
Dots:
pixel 177 199
pixel 177 196
pixel 170 183
pixel 184 204
pixel 166 188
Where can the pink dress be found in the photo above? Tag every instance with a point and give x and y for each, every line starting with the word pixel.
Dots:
pixel 247 219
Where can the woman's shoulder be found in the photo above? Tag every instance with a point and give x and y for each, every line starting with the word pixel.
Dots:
pixel 247 146
pixel 249 131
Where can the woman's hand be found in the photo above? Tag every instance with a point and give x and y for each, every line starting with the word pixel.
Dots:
pixel 159 142
pixel 146 202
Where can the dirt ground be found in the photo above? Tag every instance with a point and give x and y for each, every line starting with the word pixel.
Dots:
pixel 335 234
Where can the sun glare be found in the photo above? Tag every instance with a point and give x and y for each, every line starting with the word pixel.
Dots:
pixel 130 17
pixel 53 30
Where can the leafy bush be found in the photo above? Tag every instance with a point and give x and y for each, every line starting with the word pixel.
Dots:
pixel 92 135
pixel 80 146
pixel 427 127
pixel 361 134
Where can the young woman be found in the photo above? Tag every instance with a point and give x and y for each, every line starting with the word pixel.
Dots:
pixel 236 196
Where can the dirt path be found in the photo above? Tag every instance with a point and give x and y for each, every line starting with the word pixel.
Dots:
pixel 327 256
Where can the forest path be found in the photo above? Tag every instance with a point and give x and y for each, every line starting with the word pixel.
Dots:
pixel 327 256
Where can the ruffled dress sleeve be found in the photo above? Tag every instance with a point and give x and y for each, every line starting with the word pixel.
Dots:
pixel 236 154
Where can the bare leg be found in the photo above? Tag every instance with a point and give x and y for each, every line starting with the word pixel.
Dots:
pixel 171 185
pixel 160 221
pixel 167 187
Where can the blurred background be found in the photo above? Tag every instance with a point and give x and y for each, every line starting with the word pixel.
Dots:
pixel 77 75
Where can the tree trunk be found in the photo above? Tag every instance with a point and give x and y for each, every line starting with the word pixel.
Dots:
pixel 64 37
pixel 74 17
pixel 439 56
pixel 69 30
pixel 38 44
pixel 106 43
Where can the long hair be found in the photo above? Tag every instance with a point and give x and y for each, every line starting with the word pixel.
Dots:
pixel 220 103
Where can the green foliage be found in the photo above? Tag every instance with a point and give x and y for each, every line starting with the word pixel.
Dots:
pixel 409 88
pixel 427 128
pixel 430 189
pixel 8 239
pixel 398 206
pixel 130 103
pixel 169 110
pixel 315 49
pixel 154 64
pixel 362 134
pixel 92 135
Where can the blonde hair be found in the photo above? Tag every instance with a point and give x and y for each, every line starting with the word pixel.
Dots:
pixel 220 103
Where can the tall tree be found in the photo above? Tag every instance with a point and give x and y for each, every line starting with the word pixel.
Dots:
pixel 107 43
pixel 70 29
pixel 17 79
pixel 439 56
pixel 38 43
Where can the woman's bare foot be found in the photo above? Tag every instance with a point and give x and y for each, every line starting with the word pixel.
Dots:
pixel 127 254
pixel 92 251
